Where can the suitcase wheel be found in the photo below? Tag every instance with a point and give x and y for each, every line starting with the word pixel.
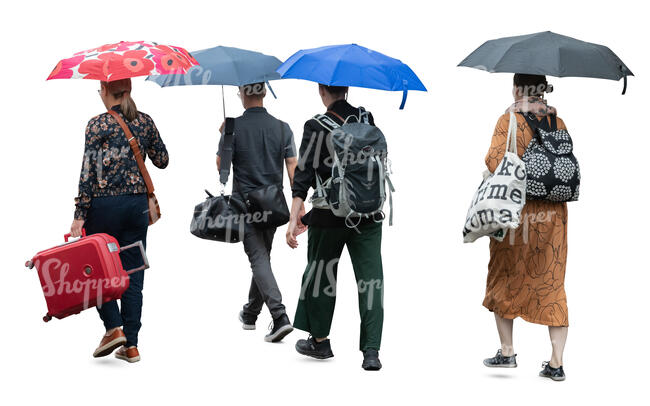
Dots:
pixel 47 318
pixel 29 264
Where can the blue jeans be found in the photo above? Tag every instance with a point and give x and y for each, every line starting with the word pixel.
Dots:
pixel 124 217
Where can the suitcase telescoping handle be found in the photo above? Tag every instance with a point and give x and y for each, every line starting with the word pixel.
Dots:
pixel 67 236
pixel 145 264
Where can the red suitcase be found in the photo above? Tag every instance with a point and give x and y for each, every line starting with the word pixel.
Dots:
pixel 83 273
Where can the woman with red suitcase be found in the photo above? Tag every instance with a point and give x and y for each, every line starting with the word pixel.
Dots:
pixel 113 200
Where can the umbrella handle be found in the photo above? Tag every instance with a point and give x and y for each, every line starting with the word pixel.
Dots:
pixel 271 89
pixel 404 94
pixel 223 103
pixel 624 84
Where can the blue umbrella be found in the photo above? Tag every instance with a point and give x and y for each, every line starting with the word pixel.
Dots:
pixel 225 66
pixel 351 65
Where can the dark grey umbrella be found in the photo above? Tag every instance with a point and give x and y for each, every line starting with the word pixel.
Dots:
pixel 547 53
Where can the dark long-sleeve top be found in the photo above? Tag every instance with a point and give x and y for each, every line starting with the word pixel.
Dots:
pixel 109 167
pixel 309 163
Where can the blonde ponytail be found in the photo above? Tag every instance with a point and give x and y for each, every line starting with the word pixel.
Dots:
pixel 121 89
pixel 128 107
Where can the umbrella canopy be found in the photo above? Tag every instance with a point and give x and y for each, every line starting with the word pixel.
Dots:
pixel 124 60
pixel 351 65
pixel 547 53
pixel 225 66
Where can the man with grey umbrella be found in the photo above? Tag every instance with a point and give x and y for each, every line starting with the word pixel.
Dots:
pixel 261 145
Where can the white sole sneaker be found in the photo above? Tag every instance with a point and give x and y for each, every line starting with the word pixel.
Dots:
pixel 244 325
pixel 279 335
pixel 500 366
pixel 127 359
pixel 108 348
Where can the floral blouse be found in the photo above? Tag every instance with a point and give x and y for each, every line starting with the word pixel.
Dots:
pixel 109 167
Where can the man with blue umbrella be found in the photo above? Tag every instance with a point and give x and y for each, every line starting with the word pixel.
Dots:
pixel 335 68
pixel 328 235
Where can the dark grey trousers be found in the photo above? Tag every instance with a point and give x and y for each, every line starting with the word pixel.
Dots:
pixel 264 288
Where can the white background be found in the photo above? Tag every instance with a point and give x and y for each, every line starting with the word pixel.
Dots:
pixel 436 332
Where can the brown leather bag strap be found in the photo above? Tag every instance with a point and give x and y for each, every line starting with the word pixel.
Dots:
pixel 133 143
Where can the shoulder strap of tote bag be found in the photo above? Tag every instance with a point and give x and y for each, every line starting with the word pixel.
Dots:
pixel 226 152
pixel 133 143
pixel 511 140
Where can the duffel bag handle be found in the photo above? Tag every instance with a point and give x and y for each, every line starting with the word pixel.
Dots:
pixel 142 252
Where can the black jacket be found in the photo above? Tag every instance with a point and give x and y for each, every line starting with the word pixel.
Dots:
pixel 313 141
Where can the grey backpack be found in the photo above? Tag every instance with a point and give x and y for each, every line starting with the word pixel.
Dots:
pixel 360 171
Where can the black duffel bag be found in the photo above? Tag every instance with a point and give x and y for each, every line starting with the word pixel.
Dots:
pixel 219 218
pixel 267 207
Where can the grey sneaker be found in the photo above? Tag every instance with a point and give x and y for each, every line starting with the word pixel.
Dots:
pixel 499 361
pixel 556 374
pixel 247 322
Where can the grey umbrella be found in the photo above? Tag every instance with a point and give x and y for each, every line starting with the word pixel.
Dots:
pixel 225 66
pixel 547 53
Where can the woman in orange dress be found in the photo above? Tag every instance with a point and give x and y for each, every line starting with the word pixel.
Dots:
pixel 526 269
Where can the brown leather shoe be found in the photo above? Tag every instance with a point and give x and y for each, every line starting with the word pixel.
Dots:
pixel 109 343
pixel 130 354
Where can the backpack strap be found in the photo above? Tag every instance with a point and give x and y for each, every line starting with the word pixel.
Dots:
pixel 337 115
pixel 364 116
pixel 133 143
pixel 226 153
pixel 326 122
pixel 534 123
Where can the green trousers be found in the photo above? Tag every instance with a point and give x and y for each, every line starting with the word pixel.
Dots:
pixel 318 290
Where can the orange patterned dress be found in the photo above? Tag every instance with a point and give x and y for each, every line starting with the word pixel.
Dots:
pixel 526 269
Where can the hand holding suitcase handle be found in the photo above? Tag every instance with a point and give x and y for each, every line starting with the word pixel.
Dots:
pixel 68 235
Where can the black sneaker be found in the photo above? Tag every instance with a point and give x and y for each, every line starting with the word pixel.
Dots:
pixel 556 374
pixel 499 361
pixel 371 360
pixel 311 348
pixel 247 321
pixel 280 327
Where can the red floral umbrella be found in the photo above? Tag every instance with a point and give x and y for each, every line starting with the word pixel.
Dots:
pixel 124 60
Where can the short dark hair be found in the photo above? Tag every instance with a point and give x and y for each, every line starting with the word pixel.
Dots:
pixel 253 90
pixel 531 85
pixel 334 90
